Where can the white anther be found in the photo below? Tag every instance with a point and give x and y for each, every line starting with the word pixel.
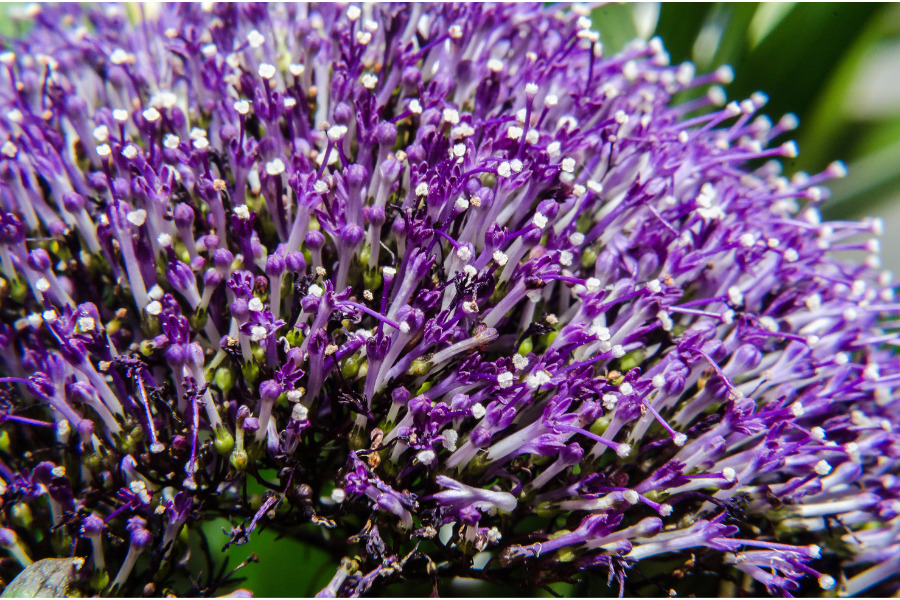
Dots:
pixel 242 106
pixel 665 320
pixel 504 170
pixel 369 80
pixel 338 495
pixel 514 133
pixel 516 165
pixel 735 296
pixel 565 258
pixel 679 440
pixel 568 165
pixel 478 410
pixel 275 167
pixel 299 412
pixel 255 39
pixel 266 71
pixel 255 304
pixel 120 57
pixel 336 132
pixel 154 308
pixel 129 151
pixel 505 379
pixel 316 291
pixel 151 114
pixel 495 65
pixel 415 107
pixel 450 115
pixel 137 217
pixel 519 362
pixel 101 133
pixel 201 143
pixel 500 258
pixel 451 436
pixel 171 141
pixel 104 150
pixel 822 467
pixel 242 212
pixel 464 253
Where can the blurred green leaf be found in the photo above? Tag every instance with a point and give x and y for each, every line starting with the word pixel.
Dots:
pixel 615 22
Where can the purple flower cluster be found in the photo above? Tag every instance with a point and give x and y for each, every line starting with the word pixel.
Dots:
pixel 446 281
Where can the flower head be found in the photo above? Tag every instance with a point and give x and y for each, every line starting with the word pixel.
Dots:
pixel 439 268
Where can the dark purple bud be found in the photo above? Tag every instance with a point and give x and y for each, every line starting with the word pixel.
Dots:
pixel 211 242
pixel 480 437
pixel 269 390
pixel 315 240
pixel 92 525
pixel 212 278
pixel 175 355
pixel 295 262
pixel 351 234
pixel 97 181
pixel 183 215
pixel 343 113
pixel 469 515
pixel 375 215
pixel 386 133
pixel 357 175
pixel 197 263
pixel 532 236
pixel 571 454
pixel 274 265
pixel 548 208
pixel 73 201
pixel 411 78
pixel 250 424
pixel 240 308
pixel 400 395
pixel 39 260
pixel 416 153
pixel 418 406
pixel 222 259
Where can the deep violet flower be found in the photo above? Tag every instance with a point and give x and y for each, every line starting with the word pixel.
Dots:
pixel 457 287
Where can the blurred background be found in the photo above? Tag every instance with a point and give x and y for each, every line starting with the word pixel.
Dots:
pixel 836 66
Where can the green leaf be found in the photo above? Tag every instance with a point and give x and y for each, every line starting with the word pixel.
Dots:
pixel 615 22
